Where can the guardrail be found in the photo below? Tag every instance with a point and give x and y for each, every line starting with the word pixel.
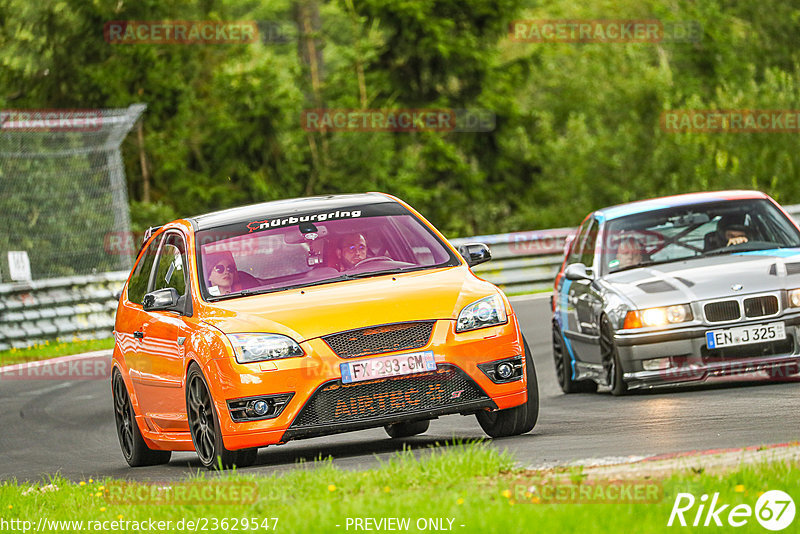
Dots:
pixel 79 307
pixel 83 307
pixel 522 262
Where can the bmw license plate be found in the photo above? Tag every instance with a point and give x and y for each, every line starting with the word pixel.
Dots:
pixel 745 335
pixel 398 365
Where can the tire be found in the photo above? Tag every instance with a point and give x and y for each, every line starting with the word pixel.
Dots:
pixel 406 430
pixel 134 448
pixel 205 429
pixel 610 356
pixel 564 368
pixel 520 419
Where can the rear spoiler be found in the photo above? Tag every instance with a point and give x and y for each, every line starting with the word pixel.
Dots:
pixel 147 235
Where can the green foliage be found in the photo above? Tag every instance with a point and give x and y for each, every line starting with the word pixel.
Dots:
pixel 577 124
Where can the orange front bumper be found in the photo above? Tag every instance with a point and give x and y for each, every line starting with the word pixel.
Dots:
pixel 456 353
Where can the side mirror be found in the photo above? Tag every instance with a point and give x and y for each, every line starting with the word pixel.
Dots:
pixel 475 253
pixel 577 271
pixel 161 299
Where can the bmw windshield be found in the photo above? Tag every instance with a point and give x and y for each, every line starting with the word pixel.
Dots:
pixel 294 250
pixel 695 231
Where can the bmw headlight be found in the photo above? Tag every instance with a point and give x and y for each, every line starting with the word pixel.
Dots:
pixel 489 311
pixel 662 316
pixel 250 348
pixel 794 298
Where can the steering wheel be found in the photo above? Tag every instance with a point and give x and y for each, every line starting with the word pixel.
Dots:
pixel 373 259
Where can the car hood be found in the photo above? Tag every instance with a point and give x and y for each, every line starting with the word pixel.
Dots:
pixel 315 311
pixel 708 278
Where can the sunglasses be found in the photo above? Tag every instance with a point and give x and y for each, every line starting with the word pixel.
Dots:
pixel 221 268
pixel 354 248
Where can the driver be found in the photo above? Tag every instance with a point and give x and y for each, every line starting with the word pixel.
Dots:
pixel 351 249
pixel 732 231
pixel 735 235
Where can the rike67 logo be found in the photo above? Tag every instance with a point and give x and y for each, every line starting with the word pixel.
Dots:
pixel 774 510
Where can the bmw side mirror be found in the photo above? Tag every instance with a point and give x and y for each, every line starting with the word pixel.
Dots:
pixel 475 253
pixel 577 271
pixel 161 299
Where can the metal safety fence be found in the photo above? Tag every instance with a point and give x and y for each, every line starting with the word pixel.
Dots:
pixel 62 190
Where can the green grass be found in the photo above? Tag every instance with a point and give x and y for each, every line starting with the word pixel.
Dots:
pixel 60 347
pixel 471 484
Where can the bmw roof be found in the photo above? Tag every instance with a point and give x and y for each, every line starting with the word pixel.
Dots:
pixel 641 206
pixel 279 208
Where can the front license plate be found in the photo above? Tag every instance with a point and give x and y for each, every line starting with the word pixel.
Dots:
pixel 745 335
pixel 398 365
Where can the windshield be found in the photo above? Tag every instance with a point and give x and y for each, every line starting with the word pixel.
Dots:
pixel 304 249
pixel 695 231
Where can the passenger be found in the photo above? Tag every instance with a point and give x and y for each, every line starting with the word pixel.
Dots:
pixel 222 275
pixel 629 252
pixel 351 249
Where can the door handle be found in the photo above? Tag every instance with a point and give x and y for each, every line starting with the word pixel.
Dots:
pixel 138 335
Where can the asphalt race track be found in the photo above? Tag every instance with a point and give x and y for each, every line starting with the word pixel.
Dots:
pixel 50 426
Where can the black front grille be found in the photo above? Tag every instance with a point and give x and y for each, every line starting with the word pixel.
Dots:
pixel 773 348
pixel 335 403
pixel 378 339
pixel 727 310
pixel 761 306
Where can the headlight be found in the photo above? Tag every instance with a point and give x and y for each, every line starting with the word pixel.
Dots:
pixel 662 316
pixel 794 298
pixel 250 348
pixel 485 312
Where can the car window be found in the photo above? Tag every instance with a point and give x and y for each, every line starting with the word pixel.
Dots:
pixel 137 286
pixel 587 250
pixel 307 249
pixel 680 233
pixel 171 270
pixel 575 253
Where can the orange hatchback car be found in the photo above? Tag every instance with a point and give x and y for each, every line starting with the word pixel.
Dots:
pixel 299 318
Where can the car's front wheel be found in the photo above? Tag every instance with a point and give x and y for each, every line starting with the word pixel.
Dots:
pixel 406 430
pixel 611 364
pixel 517 420
pixel 205 429
pixel 564 368
pixel 134 449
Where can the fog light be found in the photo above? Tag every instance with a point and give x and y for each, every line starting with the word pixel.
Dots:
pixel 656 364
pixel 504 370
pixel 259 407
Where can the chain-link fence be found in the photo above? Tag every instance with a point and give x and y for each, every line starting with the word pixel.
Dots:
pixel 63 198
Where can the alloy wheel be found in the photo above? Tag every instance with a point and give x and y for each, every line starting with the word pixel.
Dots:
pixel 201 419
pixel 123 415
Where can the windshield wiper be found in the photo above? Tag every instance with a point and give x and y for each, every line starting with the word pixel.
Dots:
pixel 242 293
pixel 375 273
pixel 722 251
